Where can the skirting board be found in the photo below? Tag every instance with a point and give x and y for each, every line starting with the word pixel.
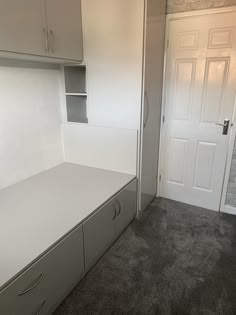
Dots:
pixel 229 209
pixel 106 148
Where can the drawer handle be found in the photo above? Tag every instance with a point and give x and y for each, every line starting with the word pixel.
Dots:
pixel 119 209
pixel 33 286
pixel 42 307
pixel 114 209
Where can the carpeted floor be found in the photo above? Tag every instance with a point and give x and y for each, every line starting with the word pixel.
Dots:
pixel 178 259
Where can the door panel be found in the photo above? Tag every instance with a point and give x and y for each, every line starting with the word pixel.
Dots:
pixel 46 282
pixel 64 22
pixel 99 233
pixel 127 201
pixel 155 33
pixel 23 26
pixel 200 94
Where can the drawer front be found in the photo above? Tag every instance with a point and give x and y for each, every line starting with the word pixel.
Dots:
pixel 42 286
pixel 99 233
pixel 126 205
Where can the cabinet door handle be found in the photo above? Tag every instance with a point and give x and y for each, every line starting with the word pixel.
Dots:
pixel 119 209
pixel 114 206
pixel 45 32
pixel 33 286
pixel 52 41
pixel 42 307
pixel 147 102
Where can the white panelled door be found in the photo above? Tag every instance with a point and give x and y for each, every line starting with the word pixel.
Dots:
pixel 199 95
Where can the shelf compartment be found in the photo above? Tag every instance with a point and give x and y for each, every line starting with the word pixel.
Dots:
pixel 76 109
pixel 76 94
pixel 75 79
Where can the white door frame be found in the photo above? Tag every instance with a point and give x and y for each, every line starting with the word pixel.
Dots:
pixel 223 206
pixel 179 16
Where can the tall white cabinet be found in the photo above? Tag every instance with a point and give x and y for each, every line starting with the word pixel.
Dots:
pixel 153 60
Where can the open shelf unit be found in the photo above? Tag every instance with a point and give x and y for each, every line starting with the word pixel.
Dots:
pixel 76 93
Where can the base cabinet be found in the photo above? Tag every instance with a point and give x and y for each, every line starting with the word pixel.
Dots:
pixel 43 286
pixel 99 232
pixel 126 204
pixel 102 228
pixel 38 289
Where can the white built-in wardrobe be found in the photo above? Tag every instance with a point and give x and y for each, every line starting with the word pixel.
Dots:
pixel 79 124
pixel 153 59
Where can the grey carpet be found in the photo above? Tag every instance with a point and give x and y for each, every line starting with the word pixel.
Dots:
pixel 178 259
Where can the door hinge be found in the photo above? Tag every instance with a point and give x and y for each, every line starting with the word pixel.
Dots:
pixel 163 119
pixel 168 43
pixel 159 178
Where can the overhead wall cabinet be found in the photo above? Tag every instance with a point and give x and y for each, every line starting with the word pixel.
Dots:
pixel 45 28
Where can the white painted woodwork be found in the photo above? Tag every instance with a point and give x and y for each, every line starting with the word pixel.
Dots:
pixel 56 273
pixel 200 92
pixel 48 206
pixel 126 207
pixel 41 28
pixel 113 43
pixel 224 207
pixel 22 25
pixel 229 209
pixel 107 224
pixel 107 148
pixel 153 62
pixel 99 233
pixel 64 29
pixel 30 120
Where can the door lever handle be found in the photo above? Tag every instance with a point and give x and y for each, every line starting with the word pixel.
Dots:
pixel 225 126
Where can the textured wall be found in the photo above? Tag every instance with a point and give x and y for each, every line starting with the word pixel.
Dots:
pixel 231 193
pixel 174 6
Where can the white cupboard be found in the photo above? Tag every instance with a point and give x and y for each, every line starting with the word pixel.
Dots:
pixel 58 224
pixel 64 29
pixel 23 27
pixel 152 100
pixel 126 204
pixel 99 233
pixel 43 28
pixel 39 289
pixel 107 224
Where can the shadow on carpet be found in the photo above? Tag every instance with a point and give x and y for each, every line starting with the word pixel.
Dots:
pixel 177 259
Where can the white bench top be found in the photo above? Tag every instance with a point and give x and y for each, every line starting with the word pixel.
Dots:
pixel 37 212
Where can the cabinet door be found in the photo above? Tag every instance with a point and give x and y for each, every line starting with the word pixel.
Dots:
pixel 40 288
pixel 64 23
pixel 23 26
pixel 126 206
pixel 99 233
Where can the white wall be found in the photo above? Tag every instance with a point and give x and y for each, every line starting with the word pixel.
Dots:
pixel 107 148
pixel 30 130
pixel 113 39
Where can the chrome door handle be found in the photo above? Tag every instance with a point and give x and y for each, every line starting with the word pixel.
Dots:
pixel 114 206
pixel 147 102
pixel 225 126
pixel 42 307
pixel 119 209
pixel 33 286
pixel 45 32
pixel 52 41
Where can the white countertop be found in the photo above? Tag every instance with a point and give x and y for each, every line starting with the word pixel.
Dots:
pixel 37 212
